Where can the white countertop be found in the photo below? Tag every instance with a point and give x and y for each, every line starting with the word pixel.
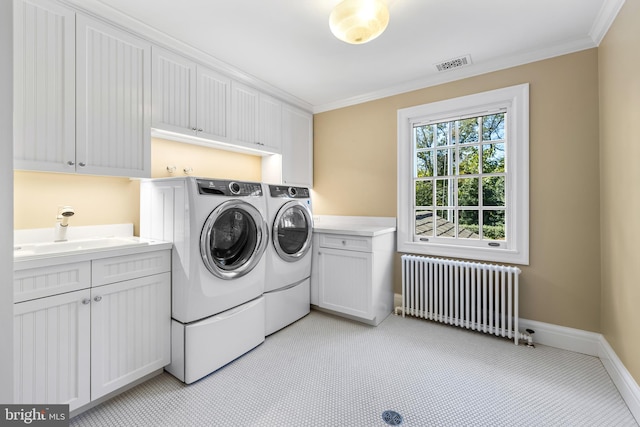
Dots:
pixel 354 225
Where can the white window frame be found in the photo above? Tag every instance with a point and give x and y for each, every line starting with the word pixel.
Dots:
pixel 515 249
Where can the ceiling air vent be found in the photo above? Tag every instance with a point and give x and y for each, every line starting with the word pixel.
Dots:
pixel 461 61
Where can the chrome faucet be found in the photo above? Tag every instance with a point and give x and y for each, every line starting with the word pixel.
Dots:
pixel 62 222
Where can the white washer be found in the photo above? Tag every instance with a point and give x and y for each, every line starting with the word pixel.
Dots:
pixel 220 234
pixel 288 255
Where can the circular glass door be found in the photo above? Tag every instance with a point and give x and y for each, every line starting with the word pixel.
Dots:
pixel 292 231
pixel 233 239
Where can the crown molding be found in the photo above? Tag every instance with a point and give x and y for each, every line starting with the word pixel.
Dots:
pixel 475 69
pixel 604 20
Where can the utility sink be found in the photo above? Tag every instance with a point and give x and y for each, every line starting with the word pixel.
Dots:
pixel 75 246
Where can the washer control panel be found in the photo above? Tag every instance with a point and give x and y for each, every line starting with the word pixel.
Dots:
pixel 220 187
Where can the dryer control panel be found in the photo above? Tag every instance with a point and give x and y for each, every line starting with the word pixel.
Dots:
pixel 220 187
pixel 287 192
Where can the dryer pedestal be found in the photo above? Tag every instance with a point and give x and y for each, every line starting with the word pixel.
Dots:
pixel 199 348
pixel 285 306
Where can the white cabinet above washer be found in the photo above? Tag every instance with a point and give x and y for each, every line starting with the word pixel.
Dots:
pixel 188 98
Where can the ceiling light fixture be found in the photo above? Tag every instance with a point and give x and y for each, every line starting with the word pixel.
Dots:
pixel 359 21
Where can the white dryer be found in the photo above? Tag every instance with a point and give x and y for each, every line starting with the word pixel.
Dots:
pixel 288 255
pixel 219 236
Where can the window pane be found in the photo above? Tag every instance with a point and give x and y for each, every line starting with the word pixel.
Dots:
pixel 493 225
pixel 424 223
pixel 492 158
pixel 468 130
pixel 446 162
pixel 468 192
pixel 443 134
pixel 445 223
pixel 424 164
pixel 424 136
pixel 444 193
pixel 468 160
pixel 468 225
pixel 424 193
pixel 493 191
pixel 493 127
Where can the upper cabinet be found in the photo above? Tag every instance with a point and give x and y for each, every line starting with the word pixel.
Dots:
pixel 270 123
pixel 256 118
pixel 82 94
pixel 88 95
pixel 189 99
pixel 297 147
pixel 44 86
pixel 113 101
pixel 244 107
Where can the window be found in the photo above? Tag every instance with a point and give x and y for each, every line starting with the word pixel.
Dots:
pixel 463 177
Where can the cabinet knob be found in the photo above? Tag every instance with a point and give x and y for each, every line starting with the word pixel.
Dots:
pixel 97 298
pixel 199 130
pixel 82 164
pixel 86 301
pixel 344 242
pixel 71 163
pixel 194 129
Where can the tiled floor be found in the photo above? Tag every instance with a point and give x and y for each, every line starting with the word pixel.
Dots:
pixel 328 371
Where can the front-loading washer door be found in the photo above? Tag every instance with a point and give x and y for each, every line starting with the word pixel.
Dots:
pixel 233 239
pixel 292 231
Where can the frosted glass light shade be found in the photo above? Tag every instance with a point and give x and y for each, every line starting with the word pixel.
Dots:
pixel 359 21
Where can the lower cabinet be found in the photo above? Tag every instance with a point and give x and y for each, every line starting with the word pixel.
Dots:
pixel 52 347
pixel 345 282
pixel 354 275
pixel 76 347
pixel 130 322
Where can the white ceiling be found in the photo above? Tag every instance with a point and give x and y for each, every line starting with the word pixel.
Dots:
pixel 288 44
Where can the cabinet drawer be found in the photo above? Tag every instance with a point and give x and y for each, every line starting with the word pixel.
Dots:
pixel 117 269
pixel 341 241
pixel 41 282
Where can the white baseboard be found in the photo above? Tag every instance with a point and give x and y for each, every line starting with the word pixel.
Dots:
pixel 562 337
pixel 585 342
pixel 623 380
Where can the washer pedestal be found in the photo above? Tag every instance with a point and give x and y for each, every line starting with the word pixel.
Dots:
pixel 199 348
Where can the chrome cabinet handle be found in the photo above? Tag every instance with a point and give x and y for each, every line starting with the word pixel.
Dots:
pixel 82 164
pixel 199 130
pixel 71 163
pixel 86 301
pixel 97 298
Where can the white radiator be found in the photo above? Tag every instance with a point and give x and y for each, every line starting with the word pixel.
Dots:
pixel 471 295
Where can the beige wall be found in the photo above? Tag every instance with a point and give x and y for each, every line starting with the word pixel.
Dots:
pixel 355 174
pixel 107 200
pixel 619 65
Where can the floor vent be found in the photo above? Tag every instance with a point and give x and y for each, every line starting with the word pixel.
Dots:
pixel 461 61
pixel 392 418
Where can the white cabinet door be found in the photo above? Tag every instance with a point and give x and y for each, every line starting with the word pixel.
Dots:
pixel 113 101
pixel 244 113
pixel 297 147
pixel 174 92
pixel 345 282
pixel 52 350
pixel 130 331
pixel 44 86
pixel 270 123
pixel 214 103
